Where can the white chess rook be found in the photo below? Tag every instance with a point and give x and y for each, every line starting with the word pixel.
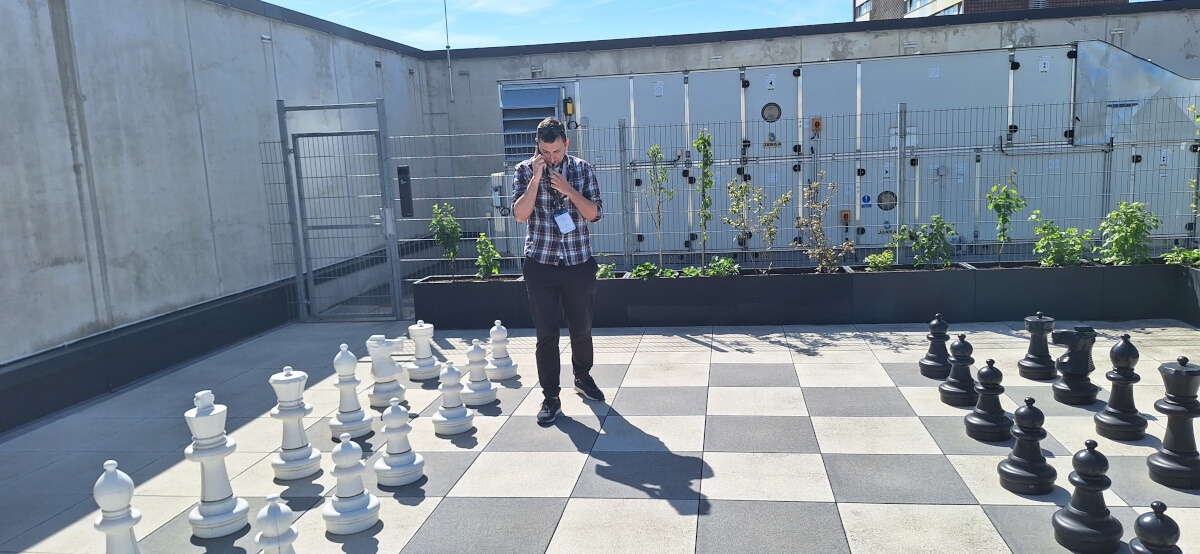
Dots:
pixel 296 459
pixel 399 465
pixel 113 492
pixel 220 513
pixel 353 509
pixel 384 370
pixel 423 365
pixel 502 366
pixel 275 531
pixel 480 390
pixel 350 417
pixel 452 418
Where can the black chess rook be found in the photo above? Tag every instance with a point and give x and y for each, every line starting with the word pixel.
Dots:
pixel 1037 363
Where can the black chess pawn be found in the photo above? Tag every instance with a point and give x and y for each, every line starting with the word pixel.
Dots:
pixel 988 422
pixel 1074 387
pixel 1177 464
pixel 1037 363
pixel 1085 524
pixel 1120 419
pixel 1025 471
pixel 936 363
pixel 1156 532
pixel 959 388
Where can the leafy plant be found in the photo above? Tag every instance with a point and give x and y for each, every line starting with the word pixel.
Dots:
pixel 815 204
pixel 1126 233
pixel 489 259
pixel 1004 201
pixel 883 261
pixel 750 213
pixel 657 194
pixel 1182 256
pixel 667 272
pixel 930 243
pixel 703 146
pixel 605 271
pixel 723 267
pixel 446 231
pixel 691 272
pixel 1058 248
pixel 645 271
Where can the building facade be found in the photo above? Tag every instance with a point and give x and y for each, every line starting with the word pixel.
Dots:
pixel 868 10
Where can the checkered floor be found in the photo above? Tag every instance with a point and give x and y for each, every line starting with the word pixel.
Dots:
pixel 806 438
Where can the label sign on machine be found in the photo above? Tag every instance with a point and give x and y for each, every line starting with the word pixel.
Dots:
pixel 866 200
pixel 658 88
pixel 771 81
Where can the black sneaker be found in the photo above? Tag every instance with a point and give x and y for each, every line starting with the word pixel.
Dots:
pixel 550 408
pixel 586 387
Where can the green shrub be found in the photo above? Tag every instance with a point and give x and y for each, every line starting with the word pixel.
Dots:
pixel 1058 248
pixel 1182 256
pixel 645 271
pixel 691 272
pixel 1004 201
pixel 930 243
pixel 1126 233
pixel 605 271
pixel 446 231
pixel 723 267
pixel 489 259
pixel 882 261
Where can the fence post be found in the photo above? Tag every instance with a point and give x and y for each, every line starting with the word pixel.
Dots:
pixel 901 162
pixel 292 198
pixel 389 212
pixel 626 194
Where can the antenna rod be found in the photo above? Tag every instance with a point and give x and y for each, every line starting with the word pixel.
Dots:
pixel 449 69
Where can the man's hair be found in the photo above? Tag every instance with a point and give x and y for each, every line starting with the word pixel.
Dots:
pixel 550 130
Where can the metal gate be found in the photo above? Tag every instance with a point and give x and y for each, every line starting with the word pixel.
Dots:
pixel 341 204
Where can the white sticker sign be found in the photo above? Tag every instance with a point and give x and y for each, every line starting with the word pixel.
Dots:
pixel 659 86
pixel 771 81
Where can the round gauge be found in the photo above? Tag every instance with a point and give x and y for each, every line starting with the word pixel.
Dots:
pixel 771 112
pixel 886 200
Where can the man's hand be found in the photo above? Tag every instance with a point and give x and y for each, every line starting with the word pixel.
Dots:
pixel 539 166
pixel 560 184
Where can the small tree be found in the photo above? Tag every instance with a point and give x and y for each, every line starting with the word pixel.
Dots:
pixel 1058 248
pixel 750 214
pixel 930 243
pixel 489 259
pixel 657 194
pixel 446 231
pixel 703 146
pixel 1004 201
pixel 1126 233
pixel 811 223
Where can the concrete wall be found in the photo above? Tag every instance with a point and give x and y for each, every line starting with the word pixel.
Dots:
pixel 133 183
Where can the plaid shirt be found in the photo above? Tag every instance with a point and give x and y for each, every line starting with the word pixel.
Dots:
pixel 544 243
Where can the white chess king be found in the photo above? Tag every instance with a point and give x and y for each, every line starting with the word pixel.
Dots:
pixel 220 513
pixel 296 459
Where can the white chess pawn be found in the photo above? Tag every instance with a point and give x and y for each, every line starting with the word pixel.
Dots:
pixel 113 492
pixel 384 370
pixel 350 417
pixel 502 366
pixel 297 458
pixel 399 465
pixel 352 509
pixel 220 513
pixel 452 418
pixel 274 522
pixel 423 365
pixel 480 390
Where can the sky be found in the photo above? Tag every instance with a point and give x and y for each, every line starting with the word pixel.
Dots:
pixel 482 23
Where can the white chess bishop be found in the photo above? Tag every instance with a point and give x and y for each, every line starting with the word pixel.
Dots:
pixel 275 531
pixel 296 459
pixel 501 366
pixel 113 492
pixel 452 418
pixel 480 390
pixel 384 370
pixel 350 417
pixel 352 509
pixel 399 465
pixel 220 513
pixel 423 366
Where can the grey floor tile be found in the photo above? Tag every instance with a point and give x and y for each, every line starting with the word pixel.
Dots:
pixel 605 375
pixel 661 401
pixel 321 438
pixel 950 434
pixel 1131 481
pixel 895 479
pixel 754 526
pixel 506 401
pixel 17 464
pixel 176 536
pixel 856 402
pixel 1014 525
pixel 442 471
pixel 760 434
pixel 495 525
pixel 566 434
pixel 909 375
pixel 665 475
pixel 76 473
pixel 154 434
pixel 1045 401
pixel 751 374
pixel 25 511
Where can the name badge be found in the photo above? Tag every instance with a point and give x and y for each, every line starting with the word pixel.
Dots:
pixel 564 221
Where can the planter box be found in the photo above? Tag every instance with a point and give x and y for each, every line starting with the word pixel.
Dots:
pixel 1004 292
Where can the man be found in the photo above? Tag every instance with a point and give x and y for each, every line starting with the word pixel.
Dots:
pixel 557 195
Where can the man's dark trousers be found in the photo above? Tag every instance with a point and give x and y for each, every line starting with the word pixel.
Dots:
pixel 555 291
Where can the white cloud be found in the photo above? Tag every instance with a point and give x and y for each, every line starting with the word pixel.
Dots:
pixel 510 7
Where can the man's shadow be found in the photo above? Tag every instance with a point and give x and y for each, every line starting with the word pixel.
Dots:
pixel 648 467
